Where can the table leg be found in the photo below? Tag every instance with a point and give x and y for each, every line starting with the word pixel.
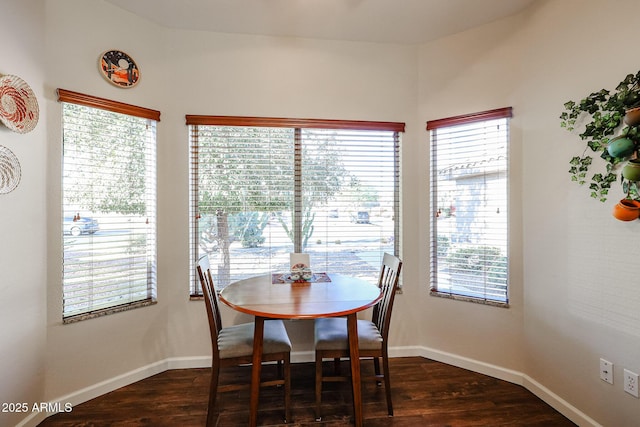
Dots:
pixel 258 339
pixel 354 355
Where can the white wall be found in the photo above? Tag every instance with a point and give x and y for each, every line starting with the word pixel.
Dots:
pixel 77 32
pixel 276 77
pixel 199 73
pixel 574 295
pixel 471 72
pixel 582 289
pixel 23 219
pixel 578 291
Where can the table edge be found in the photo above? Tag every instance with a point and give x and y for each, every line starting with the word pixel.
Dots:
pixel 259 313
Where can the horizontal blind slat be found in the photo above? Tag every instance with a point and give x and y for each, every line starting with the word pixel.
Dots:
pixel 109 195
pixel 469 232
pixel 256 177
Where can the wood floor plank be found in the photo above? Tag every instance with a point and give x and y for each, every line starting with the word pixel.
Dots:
pixel 425 393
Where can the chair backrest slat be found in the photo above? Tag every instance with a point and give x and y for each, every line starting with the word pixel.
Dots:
pixel 211 301
pixel 388 283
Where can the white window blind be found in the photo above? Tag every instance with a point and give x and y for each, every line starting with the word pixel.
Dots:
pixel 109 210
pixel 261 192
pixel 469 206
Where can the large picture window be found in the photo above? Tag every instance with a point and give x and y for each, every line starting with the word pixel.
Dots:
pixel 108 204
pixel 263 188
pixel 469 206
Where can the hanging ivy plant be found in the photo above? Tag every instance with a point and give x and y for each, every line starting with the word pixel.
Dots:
pixel 604 113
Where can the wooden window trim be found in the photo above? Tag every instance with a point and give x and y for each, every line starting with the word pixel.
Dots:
pixel 498 113
pixel 293 123
pixel 106 104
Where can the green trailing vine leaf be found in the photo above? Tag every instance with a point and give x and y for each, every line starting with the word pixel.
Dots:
pixel 579 167
pixel 603 113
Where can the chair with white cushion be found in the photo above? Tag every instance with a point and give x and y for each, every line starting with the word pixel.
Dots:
pixel 332 342
pixel 233 346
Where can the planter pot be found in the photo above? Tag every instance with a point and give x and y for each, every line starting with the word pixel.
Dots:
pixel 631 171
pixel 632 117
pixel 626 210
pixel 620 147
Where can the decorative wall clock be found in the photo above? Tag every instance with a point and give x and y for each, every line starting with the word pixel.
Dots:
pixel 18 104
pixel 119 69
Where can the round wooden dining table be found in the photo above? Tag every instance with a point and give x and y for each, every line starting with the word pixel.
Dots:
pixel 332 295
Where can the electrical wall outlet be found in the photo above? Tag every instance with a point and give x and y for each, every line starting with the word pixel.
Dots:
pixel 606 371
pixel 631 382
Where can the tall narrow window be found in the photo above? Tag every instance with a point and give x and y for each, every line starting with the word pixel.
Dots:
pixel 109 206
pixel 469 206
pixel 262 188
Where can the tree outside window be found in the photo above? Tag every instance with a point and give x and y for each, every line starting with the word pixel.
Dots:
pixel 263 192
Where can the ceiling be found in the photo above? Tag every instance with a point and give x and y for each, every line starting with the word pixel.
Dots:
pixel 380 21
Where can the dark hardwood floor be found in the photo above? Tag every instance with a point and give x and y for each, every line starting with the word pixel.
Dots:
pixel 425 393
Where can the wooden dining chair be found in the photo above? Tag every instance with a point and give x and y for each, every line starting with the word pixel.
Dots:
pixel 332 341
pixel 233 346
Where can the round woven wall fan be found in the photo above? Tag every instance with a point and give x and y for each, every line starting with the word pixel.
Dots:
pixel 10 172
pixel 18 104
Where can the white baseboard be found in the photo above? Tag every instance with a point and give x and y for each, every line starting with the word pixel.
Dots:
pixel 106 386
pixel 515 377
pixel 559 404
pixel 91 392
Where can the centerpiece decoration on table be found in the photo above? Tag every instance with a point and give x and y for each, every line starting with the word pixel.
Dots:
pixel 300 271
